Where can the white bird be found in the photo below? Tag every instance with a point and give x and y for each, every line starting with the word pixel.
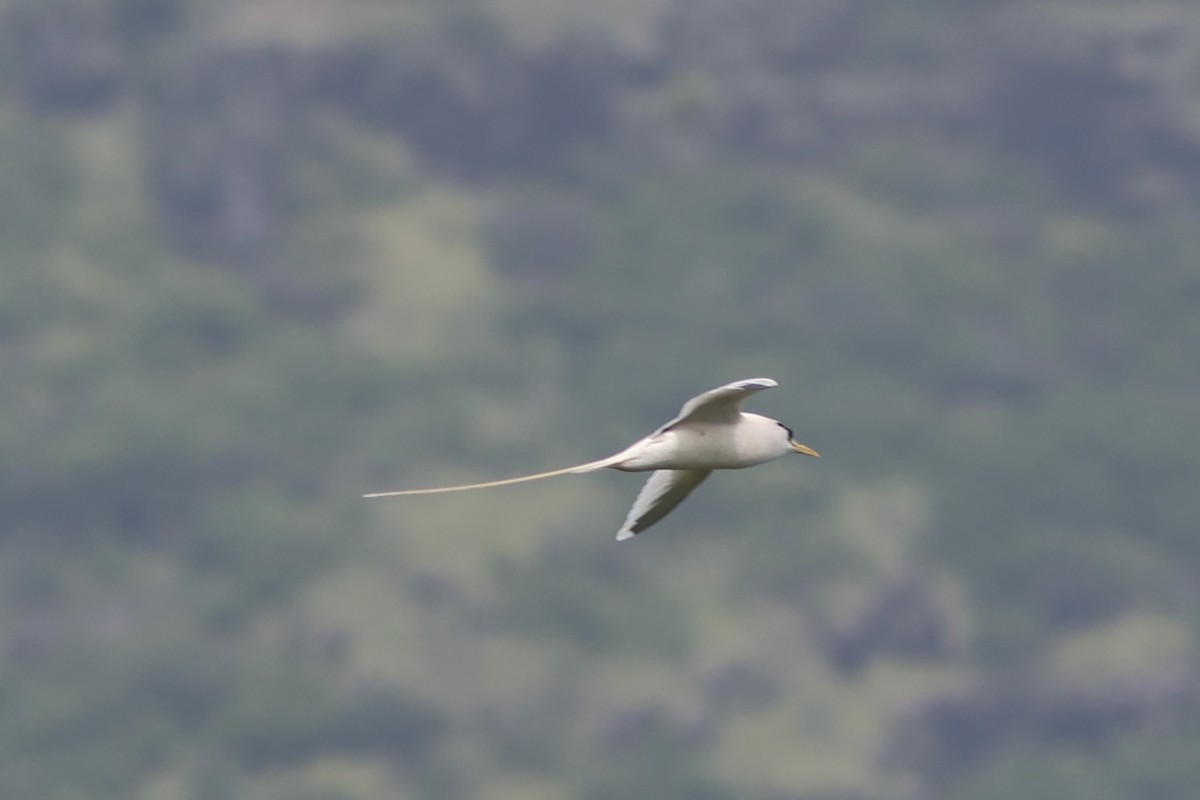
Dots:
pixel 710 432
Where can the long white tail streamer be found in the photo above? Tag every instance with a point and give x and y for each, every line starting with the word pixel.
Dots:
pixel 591 466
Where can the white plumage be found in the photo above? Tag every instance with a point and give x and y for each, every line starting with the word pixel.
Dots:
pixel 710 432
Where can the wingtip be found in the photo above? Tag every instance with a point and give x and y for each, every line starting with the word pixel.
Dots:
pixel 624 534
pixel 757 383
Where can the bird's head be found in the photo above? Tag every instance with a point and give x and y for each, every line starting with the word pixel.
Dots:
pixel 795 446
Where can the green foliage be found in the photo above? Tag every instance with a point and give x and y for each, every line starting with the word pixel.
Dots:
pixel 595 600
pixel 238 291
pixel 1143 767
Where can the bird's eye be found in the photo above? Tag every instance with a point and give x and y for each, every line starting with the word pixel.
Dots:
pixel 790 434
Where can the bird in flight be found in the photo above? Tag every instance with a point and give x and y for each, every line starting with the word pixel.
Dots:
pixel 710 432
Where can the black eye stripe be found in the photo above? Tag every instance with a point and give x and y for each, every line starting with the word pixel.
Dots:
pixel 790 434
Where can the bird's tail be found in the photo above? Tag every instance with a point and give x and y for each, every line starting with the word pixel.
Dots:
pixel 579 468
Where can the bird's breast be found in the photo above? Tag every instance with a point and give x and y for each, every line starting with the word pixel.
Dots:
pixel 684 447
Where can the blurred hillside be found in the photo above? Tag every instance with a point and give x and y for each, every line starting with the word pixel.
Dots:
pixel 262 256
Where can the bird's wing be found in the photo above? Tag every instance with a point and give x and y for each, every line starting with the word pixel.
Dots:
pixel 719 405
pixel 665 490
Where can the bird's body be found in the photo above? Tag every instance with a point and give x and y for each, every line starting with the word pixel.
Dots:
pixel 752 440
pixel 711 432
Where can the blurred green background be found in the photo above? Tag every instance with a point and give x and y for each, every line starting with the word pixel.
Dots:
pixel 261 256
